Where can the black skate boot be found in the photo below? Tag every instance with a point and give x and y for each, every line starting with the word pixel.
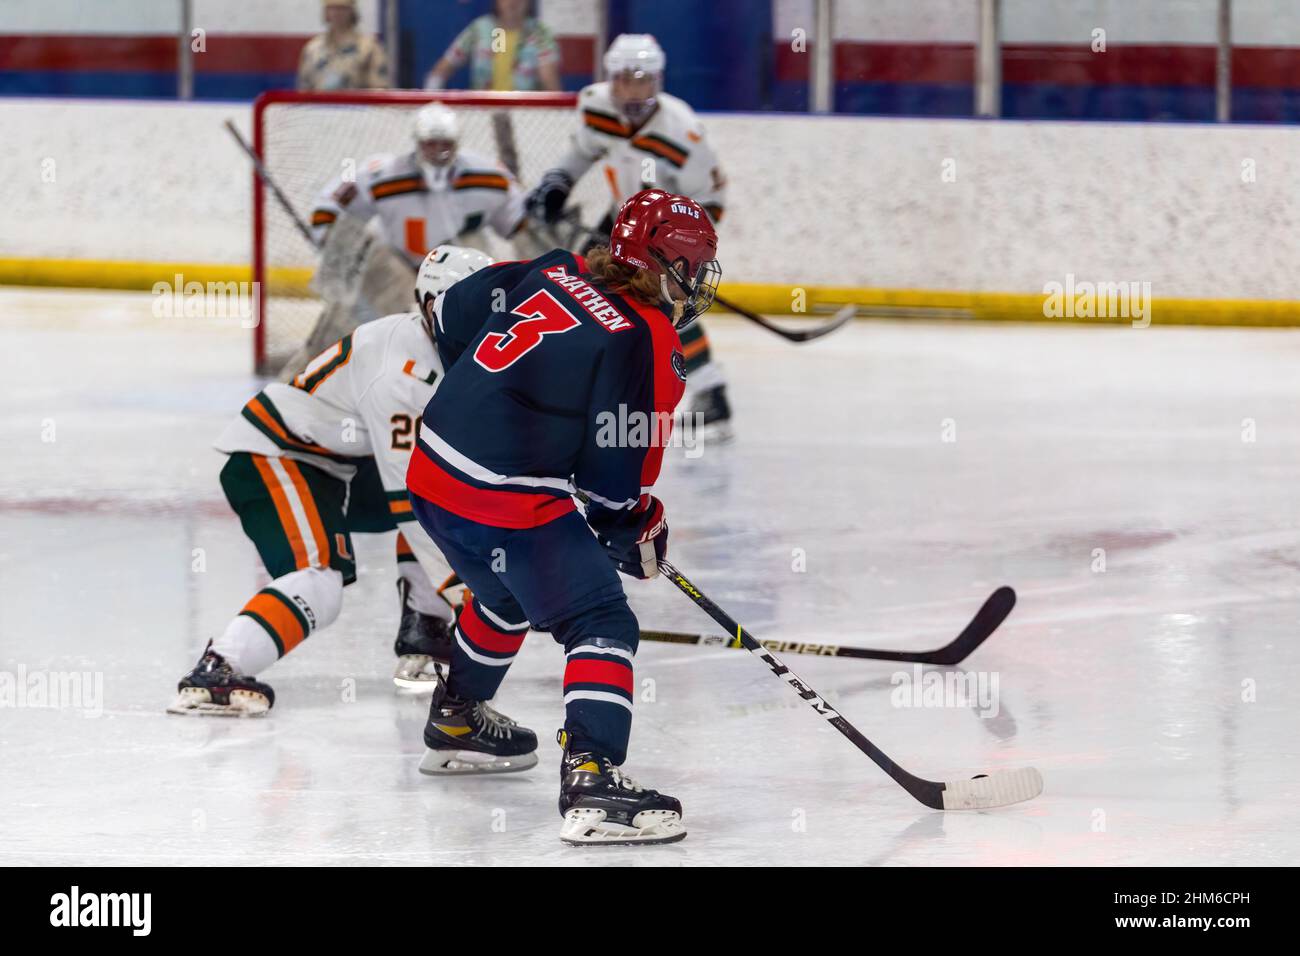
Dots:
pixel 710 413
pixel 468 736
pixel 215 689
pixel 423 642
pixel 602 807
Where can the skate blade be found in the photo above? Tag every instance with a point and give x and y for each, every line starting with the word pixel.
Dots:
pixel 415 672
pixel 589 828
pixel 451 763
pixel 197 702
pixel 998 789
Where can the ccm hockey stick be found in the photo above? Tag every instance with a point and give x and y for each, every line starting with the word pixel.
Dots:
pixel 998 789
pixel 984 623
pixel 841 318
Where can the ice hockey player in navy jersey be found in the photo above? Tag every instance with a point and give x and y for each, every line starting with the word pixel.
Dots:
pixel 562 377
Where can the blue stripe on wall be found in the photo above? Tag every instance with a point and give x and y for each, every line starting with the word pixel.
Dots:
pixel 905 99
pixel 1046 101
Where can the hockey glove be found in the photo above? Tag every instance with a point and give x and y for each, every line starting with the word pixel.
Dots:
pixel 546 201
pixel 635 540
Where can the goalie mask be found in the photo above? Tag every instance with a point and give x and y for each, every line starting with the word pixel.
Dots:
pixel 673 237
pixel 635 65
pixel 441 269
pixel 436 134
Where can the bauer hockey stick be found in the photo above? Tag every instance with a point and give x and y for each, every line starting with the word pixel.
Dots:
pixel 984 623
pixel 998 789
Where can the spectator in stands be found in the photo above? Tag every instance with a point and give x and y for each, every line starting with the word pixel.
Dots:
pixel 342 58
pixel 506 50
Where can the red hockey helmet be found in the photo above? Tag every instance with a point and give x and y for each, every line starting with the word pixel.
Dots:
pixel 673 237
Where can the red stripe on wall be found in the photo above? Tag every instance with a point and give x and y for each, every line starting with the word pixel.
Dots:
pixel 100 54
pixel 904 62
pixel 1064 65
pixel 577 55
pixel 1269 68
pixel 250 53
pixel 1127 65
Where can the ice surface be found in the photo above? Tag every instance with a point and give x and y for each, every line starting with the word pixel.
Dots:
pixel 1157 696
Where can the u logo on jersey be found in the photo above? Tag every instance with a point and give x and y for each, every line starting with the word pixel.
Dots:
pixel 678 362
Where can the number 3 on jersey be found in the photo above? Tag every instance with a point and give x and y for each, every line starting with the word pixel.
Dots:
pixel 542 316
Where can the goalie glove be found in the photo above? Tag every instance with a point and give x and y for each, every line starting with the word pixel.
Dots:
pixel 546 201
pixel 635 540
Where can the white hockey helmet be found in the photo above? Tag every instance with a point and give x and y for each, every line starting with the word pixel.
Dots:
pixel 635 57
pixel 436 126
pixel 443 268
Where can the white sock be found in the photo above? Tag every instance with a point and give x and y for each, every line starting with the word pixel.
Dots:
pixel 310 597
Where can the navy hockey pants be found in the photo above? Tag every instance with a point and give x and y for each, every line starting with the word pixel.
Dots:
pixel 553 577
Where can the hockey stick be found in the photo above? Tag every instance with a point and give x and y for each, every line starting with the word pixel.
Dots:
pixel 998 789
pixel 841 317
pixel 983 624
pixel 264 175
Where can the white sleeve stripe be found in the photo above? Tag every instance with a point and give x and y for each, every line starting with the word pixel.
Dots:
pixel 500 622
pixel 593 649
pixel 483 658
pixel 615 505
pixel 477 471
pixel 597 696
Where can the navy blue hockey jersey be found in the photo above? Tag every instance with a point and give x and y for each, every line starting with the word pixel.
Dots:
pixel 552 386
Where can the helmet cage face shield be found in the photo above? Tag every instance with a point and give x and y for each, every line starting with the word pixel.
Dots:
pixel 642 99
pixel 698 291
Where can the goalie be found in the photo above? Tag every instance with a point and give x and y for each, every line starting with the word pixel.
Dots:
pixel 310 463
pixel 375 228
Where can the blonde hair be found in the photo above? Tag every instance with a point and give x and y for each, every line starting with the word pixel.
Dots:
pixel 641 284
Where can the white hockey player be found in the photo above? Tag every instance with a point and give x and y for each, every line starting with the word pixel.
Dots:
pixel 432 195
pixel 312 461
pixel 643 137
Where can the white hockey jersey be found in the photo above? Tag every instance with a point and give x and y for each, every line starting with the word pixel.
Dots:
pixel 670 151
pixel 360 398
pixel 418 208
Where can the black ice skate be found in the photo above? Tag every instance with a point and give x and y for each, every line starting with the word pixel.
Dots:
pixel 602 807
pixel 423 642
pixel 468 736
pixel 215 689
pixel 709 413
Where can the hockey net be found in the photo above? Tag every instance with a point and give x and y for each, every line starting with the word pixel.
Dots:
pixel 308 139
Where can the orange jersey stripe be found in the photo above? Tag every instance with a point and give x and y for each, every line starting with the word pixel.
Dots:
pixel 309 506
pixel 415 238
pixel 400 507
pixel 403 546
pixel 660 149
pixel 488 182
pixel 283 621
pixel 282 510
pixel 397 186
pixel 263 416
pixel 322 218
pixel 696 347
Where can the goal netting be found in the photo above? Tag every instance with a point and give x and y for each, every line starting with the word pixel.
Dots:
pixel 308 139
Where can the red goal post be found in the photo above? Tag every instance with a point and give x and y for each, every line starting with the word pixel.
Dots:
pixel 307 139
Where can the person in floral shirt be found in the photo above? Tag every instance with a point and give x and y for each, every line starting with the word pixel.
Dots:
pixel 506 50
